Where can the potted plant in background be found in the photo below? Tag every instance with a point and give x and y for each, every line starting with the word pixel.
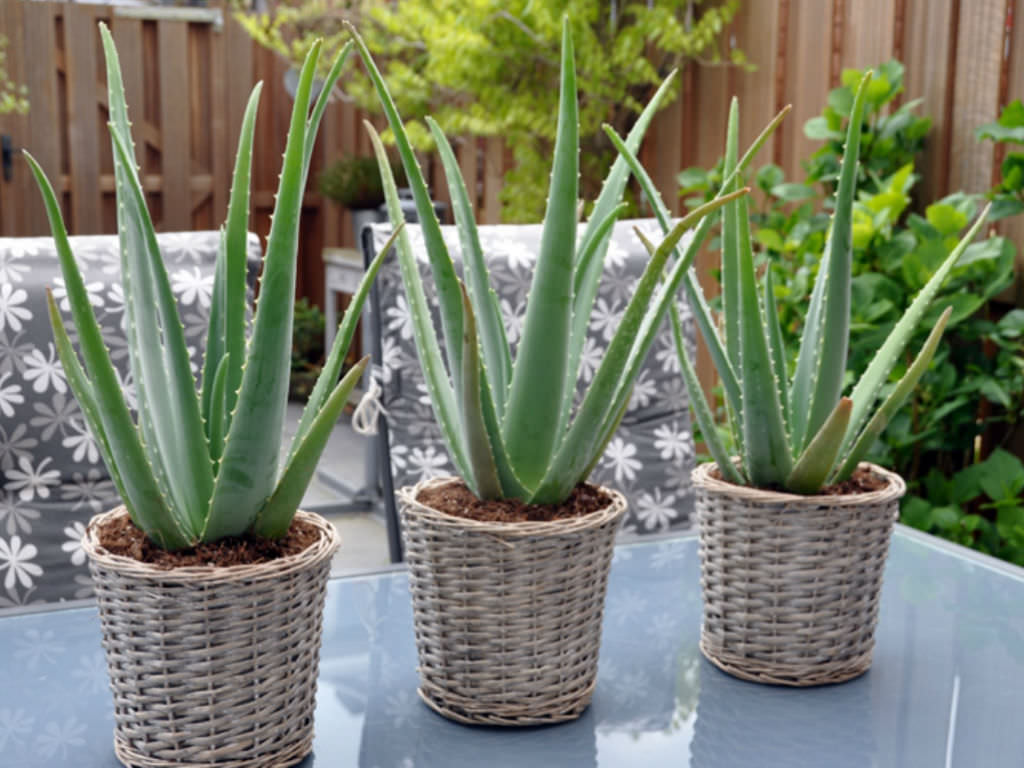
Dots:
pixel 508 563
pixel 353 181
pixel 210 584
pixel 794 531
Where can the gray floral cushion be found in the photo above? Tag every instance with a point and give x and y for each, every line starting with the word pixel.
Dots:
pixel 650 457
pixel 52 479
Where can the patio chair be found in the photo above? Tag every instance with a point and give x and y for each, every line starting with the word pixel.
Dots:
pixel 650 457
pixel 52 479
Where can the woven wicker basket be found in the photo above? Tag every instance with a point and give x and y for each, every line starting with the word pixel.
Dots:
pixel 212 666
pixel 791 583
pixel 507 615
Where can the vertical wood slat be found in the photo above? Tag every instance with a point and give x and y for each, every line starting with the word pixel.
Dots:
pixel 221 160
pixel 494 171
pixel 13 125
pixel 466 151
pixel 41 80
pixel 176 152
pixel 867 32
pixel 754 28
pixel 83 121
pixel 929 40
pixel 806 82
pixel 976 91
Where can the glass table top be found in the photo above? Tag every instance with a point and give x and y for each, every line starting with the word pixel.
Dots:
pixel 946 687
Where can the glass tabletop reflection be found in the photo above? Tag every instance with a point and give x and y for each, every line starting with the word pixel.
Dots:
pixel 945 689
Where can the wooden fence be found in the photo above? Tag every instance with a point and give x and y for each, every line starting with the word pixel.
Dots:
pixel 187 82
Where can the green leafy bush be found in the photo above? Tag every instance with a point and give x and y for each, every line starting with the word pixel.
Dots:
pixel 1008 195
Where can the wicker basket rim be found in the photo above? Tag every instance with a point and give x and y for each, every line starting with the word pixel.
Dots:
pixel 895 489
pixel 407 495
pixel 322 549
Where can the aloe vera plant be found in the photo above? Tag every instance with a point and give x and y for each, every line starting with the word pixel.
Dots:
pixel 202 462
pixel 510 425
pixel 798 433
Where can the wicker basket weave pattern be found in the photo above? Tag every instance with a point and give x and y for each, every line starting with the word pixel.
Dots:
pixel 791 583
pixel 212 666
pixel 507 615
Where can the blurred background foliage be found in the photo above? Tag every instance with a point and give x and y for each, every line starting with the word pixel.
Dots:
pixel 13 97
pixel 948 441
pixel 490 68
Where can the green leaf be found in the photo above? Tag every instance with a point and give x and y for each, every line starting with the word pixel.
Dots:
pixel 1002 477
pixel 226 333
pixel 816 462
pixel 892 404
pixel 776 346
pixel 485 482
pixel 818 381
pixel 342 341
pixel 101 399
pixel 767 457
pixel 217 424
pixel 730 247
pixel 275 516
pixel 249 467
pixel 442 394
pixel 866 391
pixel 946 219
pixel 792 192
pixel 496 355
pixel 539 373
pixel 445 280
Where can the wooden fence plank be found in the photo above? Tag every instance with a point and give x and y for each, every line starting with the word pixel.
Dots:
pixel 806 83
pixel 867 32
pixel 83 118
pixel 44 138
pixel 754 31
pixel 976 91
pixel 222 159
pixel 176 151
pixel 466 151
pixel 929 40
pixel 494 171
pixel 14 126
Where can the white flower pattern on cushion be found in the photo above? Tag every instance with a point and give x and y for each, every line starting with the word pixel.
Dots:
pixel 654 511
pixel 45 371
pixel 15 559
pixel 10 395
pixel 93 291
pixel 30 482
pixel 620 455
pixel 191 286
pixel 18 517
pixel 73 546
pixel 12 313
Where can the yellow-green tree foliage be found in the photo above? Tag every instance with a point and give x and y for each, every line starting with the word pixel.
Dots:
pixel 13 97
pixel 490 68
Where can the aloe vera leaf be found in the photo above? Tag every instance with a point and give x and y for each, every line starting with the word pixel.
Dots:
pixel 486 484
pixel 276 515
pixel 821 363
pixel 701 311
pixel 441 267
pixel 313 121
pixel 617 372
pixel 101 398
pixel 249 465
pixel 217 425
pixel 339 348
pixel 511 486
pixel 162 355
pixel 765 444
pixel 491 327
pixel 816 462
pixel 581 320
pixel 539 373
pixel 442 394
pixel 705 420
pixel 775 344
pixel 730 245
pixel 235 234
pixel 593 246
pixel 213 353
pixel 895 401
pixel 866 391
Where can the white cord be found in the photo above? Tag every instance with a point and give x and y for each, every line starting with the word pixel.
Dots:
pixel 364 417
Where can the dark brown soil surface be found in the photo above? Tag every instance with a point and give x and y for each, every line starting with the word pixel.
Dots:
pixel 861 481
pixel 120 536
pixel 456 499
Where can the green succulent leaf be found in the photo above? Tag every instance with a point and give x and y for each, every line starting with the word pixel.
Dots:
pixel 275 517
pixel 819 457
pixel 537 389
pixel 486 484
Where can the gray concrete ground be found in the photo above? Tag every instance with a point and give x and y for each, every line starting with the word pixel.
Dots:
pixel 363 535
